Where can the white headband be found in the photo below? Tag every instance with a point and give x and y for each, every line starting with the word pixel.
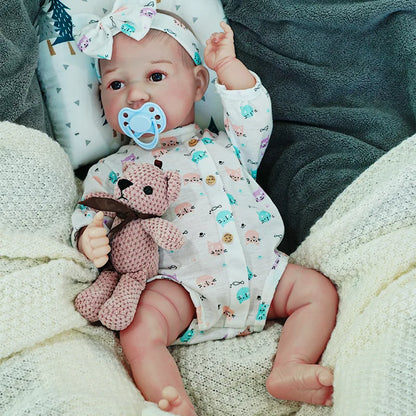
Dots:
pixel 94 35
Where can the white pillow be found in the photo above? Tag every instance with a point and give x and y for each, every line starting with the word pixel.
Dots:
pixel 70 85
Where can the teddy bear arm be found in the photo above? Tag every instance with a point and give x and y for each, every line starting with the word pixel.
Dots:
pixel 165 233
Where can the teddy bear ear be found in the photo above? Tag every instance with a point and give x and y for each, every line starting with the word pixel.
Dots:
pixel 174 185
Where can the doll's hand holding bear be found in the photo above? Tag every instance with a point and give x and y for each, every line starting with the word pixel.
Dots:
pixel 94 242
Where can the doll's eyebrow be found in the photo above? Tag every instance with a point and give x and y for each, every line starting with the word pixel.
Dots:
pixel 109 71
pixel 162 61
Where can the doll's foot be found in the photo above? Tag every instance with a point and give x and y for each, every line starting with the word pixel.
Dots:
pixel 308 383
pixel 89 302
pixel 173 402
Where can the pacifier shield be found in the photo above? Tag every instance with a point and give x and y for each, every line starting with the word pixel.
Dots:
pixel 149 118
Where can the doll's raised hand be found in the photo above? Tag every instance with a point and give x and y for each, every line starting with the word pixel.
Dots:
pixel 220 48
pixel 94 243
pixel 219 55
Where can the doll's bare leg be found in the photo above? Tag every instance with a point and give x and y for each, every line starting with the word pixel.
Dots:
pixel 309 301
pixel 165 310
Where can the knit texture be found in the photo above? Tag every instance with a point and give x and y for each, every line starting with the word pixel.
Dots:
pixel 228 378
pixel 51 361
pixel 366 245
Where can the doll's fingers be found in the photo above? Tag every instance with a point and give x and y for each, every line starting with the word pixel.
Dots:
pixel 226 28
pixel 98 219
pixel 100 262
pixel 218 36
pixel 100 242
pixel 100 256
pixel 214 38
pixel 100 252
pixel 97 232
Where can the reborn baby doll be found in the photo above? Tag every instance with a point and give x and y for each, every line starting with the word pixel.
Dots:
pixel 229 278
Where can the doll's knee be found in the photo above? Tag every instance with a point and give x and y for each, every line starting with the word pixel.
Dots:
pixel 312 287
pixel 324 296
pixel 327 291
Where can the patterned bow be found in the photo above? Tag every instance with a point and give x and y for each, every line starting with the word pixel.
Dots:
pixel 94 35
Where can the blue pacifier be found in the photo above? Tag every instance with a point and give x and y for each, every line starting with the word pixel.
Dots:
pixel 149 118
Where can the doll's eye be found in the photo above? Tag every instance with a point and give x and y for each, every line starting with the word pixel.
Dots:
pixel 157 76
pixel 148 190
pixel 116 85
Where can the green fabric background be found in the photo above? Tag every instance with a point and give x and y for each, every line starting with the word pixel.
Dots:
pixel 342 78
pixel 20 96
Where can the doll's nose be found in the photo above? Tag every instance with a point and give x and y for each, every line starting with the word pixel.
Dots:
pixel 137 96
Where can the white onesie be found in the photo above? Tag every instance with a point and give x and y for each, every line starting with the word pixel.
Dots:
pixel 229 263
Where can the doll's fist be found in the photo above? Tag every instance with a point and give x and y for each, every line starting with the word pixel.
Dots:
pixel 94 242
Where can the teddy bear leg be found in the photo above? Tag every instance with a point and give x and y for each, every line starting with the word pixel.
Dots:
pixel 89 302
pixel 118 312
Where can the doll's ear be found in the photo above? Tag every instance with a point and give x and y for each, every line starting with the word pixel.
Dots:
pixel 202 79
pixel 174 185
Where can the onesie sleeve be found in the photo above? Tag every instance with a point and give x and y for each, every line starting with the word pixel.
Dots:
pixel 248 122
pixel 100 178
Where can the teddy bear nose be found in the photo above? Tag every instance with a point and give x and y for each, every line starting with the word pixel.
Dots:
pixel 148 190
pixel 124 183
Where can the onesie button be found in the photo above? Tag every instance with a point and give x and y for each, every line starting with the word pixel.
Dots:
pixel 193 142
pixel 227 238
pixel 210 180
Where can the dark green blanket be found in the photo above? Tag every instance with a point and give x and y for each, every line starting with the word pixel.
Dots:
pixel 342 78
pixel 20 96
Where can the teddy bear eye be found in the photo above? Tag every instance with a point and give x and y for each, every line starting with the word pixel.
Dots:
pixel 148 190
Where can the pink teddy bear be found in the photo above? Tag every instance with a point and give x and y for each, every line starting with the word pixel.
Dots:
pixel 141 195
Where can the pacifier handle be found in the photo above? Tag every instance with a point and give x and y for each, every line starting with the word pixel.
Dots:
pixel 149 118
pixel 144 145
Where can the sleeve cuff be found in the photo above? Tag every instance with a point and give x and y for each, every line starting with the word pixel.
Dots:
pixel 239 94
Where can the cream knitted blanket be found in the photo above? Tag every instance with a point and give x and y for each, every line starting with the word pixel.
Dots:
pixel 366 244
pixel 52 362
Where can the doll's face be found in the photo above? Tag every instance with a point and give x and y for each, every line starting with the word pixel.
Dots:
pixel 151 70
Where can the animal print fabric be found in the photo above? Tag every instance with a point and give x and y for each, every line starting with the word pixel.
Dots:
pixel 229 263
